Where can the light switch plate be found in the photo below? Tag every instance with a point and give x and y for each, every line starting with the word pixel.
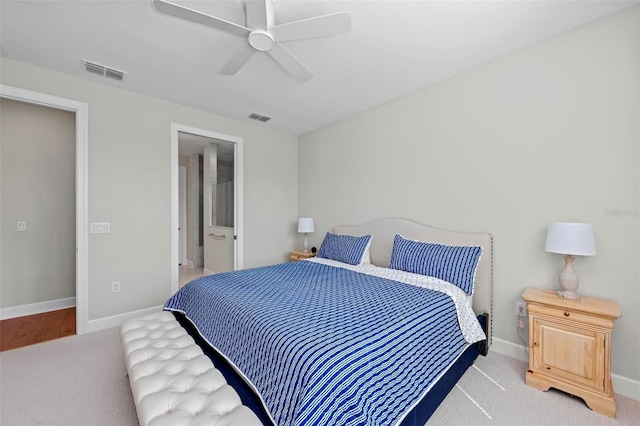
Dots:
pixel 100 227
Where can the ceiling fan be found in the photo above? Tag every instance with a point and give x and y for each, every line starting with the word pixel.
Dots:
pixel 263 35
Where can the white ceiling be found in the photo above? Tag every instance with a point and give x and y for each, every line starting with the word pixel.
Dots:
pixel 394 48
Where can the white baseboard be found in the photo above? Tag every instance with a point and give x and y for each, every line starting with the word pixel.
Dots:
pixel 116 320
pixel 626 386
pixel 207 272
pixel 505 347
pixel 188 263
pixel 621 385
pixel 36 308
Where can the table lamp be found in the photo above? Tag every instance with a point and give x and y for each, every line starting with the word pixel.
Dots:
pixel 570 239
pixel 305 225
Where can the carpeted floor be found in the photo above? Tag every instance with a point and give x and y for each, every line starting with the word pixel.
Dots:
pixel 493 392
pixel 81 380
pixel 76 380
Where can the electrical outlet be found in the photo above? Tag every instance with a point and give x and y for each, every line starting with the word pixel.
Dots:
pixel 115 287
pixel 521 309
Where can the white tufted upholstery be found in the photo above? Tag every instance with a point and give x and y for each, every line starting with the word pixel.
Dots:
pixel 173 381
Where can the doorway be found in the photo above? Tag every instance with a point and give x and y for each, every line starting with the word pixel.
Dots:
pixel 210 198
pixel 80 110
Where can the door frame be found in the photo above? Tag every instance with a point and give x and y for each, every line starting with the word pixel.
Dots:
pixel 238 198
pixel 182 214
pixel 81 110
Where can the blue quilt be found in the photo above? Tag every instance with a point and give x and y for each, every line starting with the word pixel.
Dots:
pixel 324 345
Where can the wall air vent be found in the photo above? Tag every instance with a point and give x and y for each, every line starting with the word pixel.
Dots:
pixel 259 117
pixel 95 68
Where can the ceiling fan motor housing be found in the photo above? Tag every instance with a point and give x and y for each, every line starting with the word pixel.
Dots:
pixel 261 40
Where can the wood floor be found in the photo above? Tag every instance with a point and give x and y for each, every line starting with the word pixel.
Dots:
pixel 24 331
pixel 28 330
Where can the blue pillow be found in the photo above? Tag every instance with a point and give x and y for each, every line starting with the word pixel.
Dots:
pixel 344 248
pixel 455 264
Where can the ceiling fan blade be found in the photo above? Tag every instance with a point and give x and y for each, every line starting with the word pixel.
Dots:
pixel 257 14
pixel 289 62
pixel 238 60
pixel 200 18
pixel 320 26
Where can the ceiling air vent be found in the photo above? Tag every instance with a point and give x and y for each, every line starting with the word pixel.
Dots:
pixel 95 68
pixel 259 117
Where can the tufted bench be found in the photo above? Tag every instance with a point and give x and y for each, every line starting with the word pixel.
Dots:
pixel 173 382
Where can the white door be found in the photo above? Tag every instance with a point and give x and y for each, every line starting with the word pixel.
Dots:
pixel 219 239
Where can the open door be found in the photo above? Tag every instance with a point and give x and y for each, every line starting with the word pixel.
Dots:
pixel 220 231
pixel 214 168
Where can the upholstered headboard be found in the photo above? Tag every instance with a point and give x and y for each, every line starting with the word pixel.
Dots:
pixel 384 231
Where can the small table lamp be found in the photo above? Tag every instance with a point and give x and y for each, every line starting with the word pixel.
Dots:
pixel 305 224
pixel 570 239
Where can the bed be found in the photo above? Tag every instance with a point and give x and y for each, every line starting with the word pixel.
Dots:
pixel 344 341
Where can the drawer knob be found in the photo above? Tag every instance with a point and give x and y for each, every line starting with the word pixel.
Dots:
pixel 566 314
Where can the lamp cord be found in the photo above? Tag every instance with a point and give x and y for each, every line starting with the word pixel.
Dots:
pixel 525 346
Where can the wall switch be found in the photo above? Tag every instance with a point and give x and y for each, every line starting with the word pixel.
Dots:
pixel 22 227
pixel 115 287
pixel 100 227
pixel 521 309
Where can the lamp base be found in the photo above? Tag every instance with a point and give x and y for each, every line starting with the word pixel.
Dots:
pixel 569 295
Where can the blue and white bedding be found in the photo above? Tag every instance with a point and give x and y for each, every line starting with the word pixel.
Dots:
pixel 323 343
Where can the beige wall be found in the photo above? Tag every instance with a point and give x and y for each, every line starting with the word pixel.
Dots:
pixel 37 186
pixel 129 186
pixel 550 133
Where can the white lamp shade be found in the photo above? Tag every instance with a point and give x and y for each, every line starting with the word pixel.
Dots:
pixel 305 224
pixel 576 239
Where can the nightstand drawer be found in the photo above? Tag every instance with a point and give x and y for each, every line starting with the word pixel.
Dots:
pixel 568 314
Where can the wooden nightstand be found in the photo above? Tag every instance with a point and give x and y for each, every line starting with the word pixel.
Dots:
pixel 570 346
pixel 298 255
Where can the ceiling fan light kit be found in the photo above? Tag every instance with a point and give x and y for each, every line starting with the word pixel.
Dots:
pixel 263 35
